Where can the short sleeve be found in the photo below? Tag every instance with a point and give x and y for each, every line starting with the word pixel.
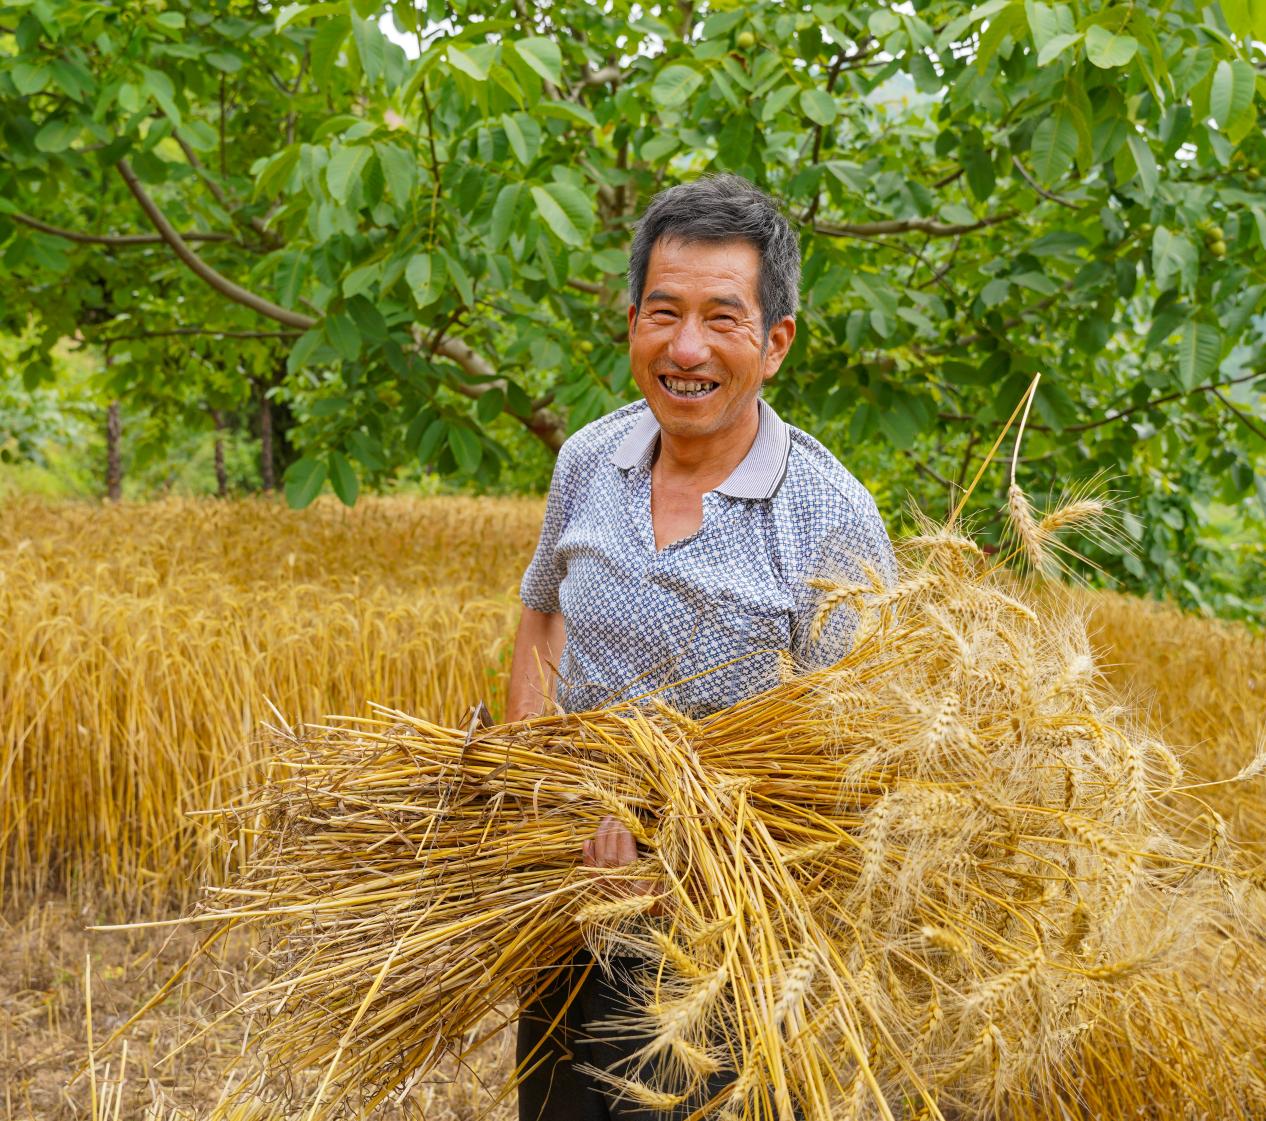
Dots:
pixel 539 587
pixel 844 551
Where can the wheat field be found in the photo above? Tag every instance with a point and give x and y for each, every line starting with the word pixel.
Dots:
pixel 145 644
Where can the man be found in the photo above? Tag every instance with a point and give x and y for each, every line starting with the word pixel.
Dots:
pixel 679 536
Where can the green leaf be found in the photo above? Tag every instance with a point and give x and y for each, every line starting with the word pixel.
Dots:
pixel 1008 22
pixel 1054 145
pixel 543 56
pixel 1056 46
pixel 503 211
pixel 567 111
pixel 673 85
pixel 882 22
pixel 418 276
pixel 819 106
pixel 29 77
pixel 343 335
pixel 1173 257
pixel 1199 351
pixel 371 47
pixel 777 101
pixel 1259 220
pixel 56 135
pixel 460 278
pixel 75 80
pixel 227 62
pixel 361 279
pixel 467 448
pixel 1231 92
pixel 995 291
pixel 1145 162
pixel 489 406
pixel 163 92
pixel 343 479
pixel 434 435
pixel 344 169
pixel 329 406
pixel 304 480
pixel 659 146
pixel 399 170
pixel 468 64
pixel 1106 49
pixel 611 261
pixel 524 135
pixel 366 449
pixel 978 164
pixel 1043 23
pixel 566 210
pixel 325 47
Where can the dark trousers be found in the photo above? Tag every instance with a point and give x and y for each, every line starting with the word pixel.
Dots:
pixel 556 1090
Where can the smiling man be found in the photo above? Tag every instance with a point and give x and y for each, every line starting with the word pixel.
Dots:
pixel 679 536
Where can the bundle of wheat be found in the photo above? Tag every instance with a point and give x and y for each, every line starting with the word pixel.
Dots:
pixel 946 875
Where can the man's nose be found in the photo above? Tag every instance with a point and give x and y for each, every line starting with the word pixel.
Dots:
pixel 689 347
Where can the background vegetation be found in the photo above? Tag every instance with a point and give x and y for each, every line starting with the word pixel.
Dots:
pixel 386 242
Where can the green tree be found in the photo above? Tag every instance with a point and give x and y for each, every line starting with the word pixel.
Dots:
pixel 438 233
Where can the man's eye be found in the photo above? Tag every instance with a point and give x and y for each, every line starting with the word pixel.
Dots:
pixel 724 320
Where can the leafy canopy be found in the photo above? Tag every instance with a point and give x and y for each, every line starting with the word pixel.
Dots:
pixel 411 222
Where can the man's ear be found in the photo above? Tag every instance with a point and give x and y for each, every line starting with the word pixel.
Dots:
pixel 781 335
pixel 632 318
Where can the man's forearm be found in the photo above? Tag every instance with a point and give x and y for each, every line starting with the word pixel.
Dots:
pixel 537 646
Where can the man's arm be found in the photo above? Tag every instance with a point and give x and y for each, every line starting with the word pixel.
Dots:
pixel 537 646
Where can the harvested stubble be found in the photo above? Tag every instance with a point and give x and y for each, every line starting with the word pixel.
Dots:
pixel 143 642
pixel 947 876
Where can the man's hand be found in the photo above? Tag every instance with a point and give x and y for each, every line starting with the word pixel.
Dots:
pixel 613 846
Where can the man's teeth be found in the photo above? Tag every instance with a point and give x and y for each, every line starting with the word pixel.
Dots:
pixel 690 388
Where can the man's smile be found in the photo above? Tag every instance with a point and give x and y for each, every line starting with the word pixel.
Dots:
pixel 688 389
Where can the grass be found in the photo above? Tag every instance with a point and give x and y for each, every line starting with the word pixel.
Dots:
pixel 141 643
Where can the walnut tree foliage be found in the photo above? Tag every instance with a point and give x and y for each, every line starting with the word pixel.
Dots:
pixel 418 239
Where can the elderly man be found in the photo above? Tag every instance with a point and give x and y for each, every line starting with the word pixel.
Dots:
pixel 679 536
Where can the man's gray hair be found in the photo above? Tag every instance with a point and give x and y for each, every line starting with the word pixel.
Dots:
pixel 724 208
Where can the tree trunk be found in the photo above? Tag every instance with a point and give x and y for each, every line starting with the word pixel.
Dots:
pixel 267 465
pixel 114 460
pixel 221 475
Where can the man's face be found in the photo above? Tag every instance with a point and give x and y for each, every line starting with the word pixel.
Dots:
pixel 696 345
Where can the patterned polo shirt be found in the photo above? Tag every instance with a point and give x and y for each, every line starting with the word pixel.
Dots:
pixel 699 622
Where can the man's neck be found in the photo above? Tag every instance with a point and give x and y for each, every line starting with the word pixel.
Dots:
pixel 704 462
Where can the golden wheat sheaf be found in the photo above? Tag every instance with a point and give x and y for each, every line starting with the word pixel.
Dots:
pixel 947 874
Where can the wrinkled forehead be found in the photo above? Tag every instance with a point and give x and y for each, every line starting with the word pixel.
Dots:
pixel 692 269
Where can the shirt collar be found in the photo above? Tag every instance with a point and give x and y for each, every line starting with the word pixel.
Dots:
pixel 758 476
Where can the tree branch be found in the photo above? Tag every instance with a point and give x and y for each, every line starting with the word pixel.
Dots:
pixel 600 77
pixel 119 240
pixel 547 426
pixel 269 236
pixel 1124 413
pixel 201 269
pixel 923 469
pixel 929 226
pixel 1015 161
pixel 173 332
pixel 1260 433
